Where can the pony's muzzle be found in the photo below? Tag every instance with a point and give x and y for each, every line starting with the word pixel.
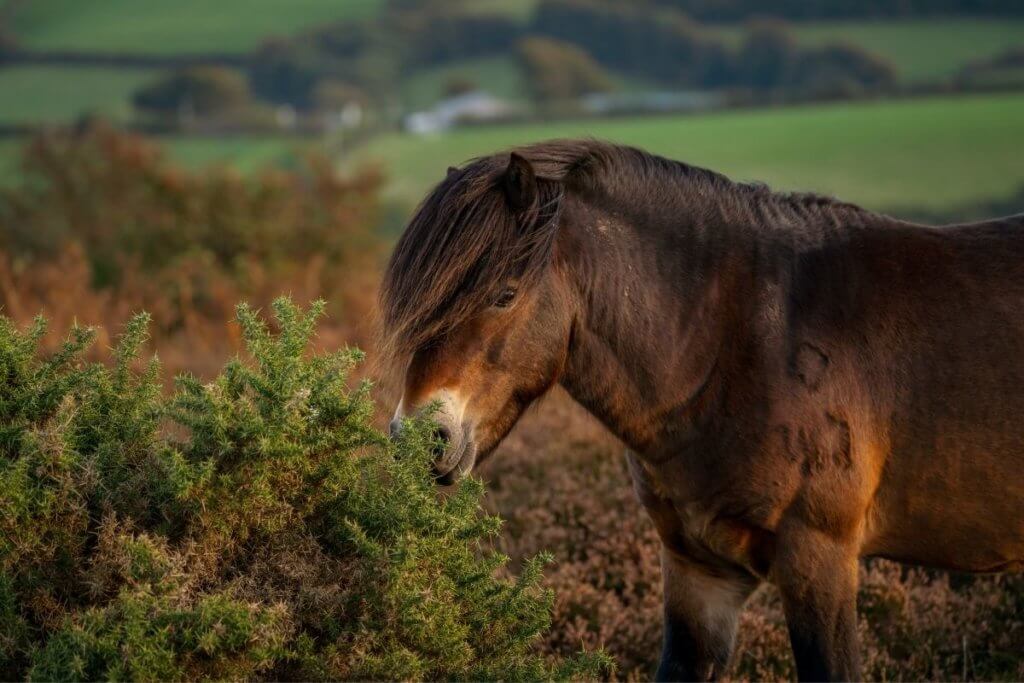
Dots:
pixel 442 439
pixel 451 440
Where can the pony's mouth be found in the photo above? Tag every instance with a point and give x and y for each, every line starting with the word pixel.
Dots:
pixel 462 466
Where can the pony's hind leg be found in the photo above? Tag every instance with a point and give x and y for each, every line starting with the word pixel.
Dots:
pixel 817 578
pixel 701 612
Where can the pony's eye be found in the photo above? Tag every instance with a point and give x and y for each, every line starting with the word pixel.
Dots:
pixel 505 299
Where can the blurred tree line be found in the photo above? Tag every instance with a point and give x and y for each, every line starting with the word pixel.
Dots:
pixel 582 40
pixel 737 10
pixel 566 48
pixel 668 46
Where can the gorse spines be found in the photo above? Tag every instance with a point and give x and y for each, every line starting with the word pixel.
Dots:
pixel 254 526
pixel 31 391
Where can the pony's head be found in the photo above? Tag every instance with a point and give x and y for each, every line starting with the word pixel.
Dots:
pixel 475 306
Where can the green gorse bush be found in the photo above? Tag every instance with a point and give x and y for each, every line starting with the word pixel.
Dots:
pixel 257 526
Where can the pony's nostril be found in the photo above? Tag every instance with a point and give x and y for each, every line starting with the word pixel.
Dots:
pixel 443 436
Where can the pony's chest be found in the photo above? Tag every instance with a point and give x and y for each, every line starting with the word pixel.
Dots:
pixel 705 528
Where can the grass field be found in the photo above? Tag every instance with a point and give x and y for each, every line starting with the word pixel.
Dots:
pixel 923 49
pixel 500 76
pixel 169 27
pixel 244 153
pixel 8 160
pixel 49 94
pixel 247 153
pixel 935 153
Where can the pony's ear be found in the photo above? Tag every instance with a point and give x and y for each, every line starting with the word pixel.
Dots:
pixel 452 169
pixel 520 183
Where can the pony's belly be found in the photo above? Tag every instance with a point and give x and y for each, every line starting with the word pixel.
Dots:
pixel 959 509
pixel 961 551
pixel 954 538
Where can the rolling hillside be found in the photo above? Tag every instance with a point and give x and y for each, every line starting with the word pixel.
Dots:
pixel 884 155
pixel 56 94
pixel 182 26
pixel 921 50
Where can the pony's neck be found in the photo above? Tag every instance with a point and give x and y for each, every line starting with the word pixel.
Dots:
pixel 654 298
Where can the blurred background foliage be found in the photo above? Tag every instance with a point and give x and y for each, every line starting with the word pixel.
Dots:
pixel 179 157
pixel 404 81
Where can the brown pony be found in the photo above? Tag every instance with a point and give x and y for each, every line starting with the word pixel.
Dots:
pixel 801 382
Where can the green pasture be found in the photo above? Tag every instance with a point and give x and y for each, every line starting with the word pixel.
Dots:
pixel 500 76
pixel 245 153
pixel 9 158
pixel 922 50
pixel 172 26
pixel 934 153
pixel 55 94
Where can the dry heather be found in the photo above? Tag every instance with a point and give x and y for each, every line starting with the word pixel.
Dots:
pixel 190 303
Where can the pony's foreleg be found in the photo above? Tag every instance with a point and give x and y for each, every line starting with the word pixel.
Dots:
pixel 817 577
pixel 701 613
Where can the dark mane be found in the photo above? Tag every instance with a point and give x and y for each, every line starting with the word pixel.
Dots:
pixel 464 241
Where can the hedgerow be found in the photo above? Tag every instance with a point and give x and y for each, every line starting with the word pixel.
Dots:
pixel 257 526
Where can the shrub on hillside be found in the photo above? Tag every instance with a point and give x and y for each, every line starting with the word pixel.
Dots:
pixel 287 71
pixel 198 90
pixel 840 69
pixel 255 526
pixel 1004 68
pixel 771 58
pixel 768 54
pixel 8 43
pixel 561 71
pixel 329 95
pixel 459 85
pixel 659 44
pixel 357 53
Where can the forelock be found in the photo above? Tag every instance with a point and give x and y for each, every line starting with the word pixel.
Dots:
pixel 462 244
